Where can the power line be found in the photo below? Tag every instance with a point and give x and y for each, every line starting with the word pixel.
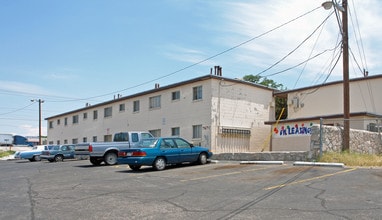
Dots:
pixel 199 62
pixel 292 51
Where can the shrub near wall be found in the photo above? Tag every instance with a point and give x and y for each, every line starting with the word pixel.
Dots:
pixel 364 142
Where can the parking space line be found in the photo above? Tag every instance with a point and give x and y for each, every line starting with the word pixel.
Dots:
pixel 223 174
pixel 309 179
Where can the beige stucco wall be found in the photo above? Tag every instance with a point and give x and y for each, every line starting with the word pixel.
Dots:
pixel 230 104
pixel 327 100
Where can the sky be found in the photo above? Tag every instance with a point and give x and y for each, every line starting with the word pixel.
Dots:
pixel 69 53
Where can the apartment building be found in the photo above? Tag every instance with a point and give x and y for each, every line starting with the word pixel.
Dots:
pixel 225 115
pixel 306 106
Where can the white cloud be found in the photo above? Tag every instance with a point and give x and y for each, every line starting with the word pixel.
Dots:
pixel 20 87
pixel 245 20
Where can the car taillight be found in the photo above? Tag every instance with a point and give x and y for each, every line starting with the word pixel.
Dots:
pixel 90 148
pixel 122 154
pixel 138 154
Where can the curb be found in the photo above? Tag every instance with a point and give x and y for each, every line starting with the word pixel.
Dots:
pixel 318 164
pixel 263 162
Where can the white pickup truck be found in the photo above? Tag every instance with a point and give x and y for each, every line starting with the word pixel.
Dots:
pixel 107 152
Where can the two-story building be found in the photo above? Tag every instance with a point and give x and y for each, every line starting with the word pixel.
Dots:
pixel 309 105
pixel 225 115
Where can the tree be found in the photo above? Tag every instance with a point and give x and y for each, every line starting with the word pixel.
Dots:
pixel 280 103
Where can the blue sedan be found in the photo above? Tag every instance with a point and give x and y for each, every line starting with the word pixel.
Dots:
pixel 159 152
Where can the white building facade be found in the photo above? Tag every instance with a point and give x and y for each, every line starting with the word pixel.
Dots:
pixel 225 115
pixel 306 106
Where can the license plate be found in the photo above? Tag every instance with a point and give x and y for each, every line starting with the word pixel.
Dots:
pixel 129 154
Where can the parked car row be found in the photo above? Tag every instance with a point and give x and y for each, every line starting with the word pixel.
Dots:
pixel 157 152
pixel 49 152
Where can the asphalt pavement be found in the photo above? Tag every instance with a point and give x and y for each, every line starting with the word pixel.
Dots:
pixel 74 189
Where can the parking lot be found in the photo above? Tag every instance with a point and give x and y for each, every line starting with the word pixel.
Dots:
pixel 225 190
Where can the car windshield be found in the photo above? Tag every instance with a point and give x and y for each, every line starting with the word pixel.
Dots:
pixel 148 143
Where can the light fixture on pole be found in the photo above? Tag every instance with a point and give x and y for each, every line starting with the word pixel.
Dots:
pixel 40 101
pixel 345 49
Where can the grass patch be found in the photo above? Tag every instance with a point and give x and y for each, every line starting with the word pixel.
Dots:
pixel 352 159
pixel 6 153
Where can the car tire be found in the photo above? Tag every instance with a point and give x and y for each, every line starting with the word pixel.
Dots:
pixel 36 158
pixel 95 161
pixel 202 158
pixel 58 158
pixel 110 158
pixel 135 167
pixel 159 164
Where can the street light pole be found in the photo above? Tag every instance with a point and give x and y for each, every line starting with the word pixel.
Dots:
pixel 40 101
pixel 345 68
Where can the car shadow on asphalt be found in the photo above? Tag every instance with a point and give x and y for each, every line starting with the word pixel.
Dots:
pixel 148 169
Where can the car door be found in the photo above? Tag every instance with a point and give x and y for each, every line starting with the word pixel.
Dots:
pixel 66 151
pixel 185 150
pixel 169 149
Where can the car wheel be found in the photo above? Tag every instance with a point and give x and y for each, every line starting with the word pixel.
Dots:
pixel 36 158
pixel 95 162
pixel 58 158
pixel 159 163
pixel 202 158
pixel 135 167
pixel 110 158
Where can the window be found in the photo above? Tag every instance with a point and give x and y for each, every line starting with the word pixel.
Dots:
pixel 95 114
pixel 85 115
pixel 66 121
pixel 108 112
pixel 51 124
pixel 75 119
pixel 175 131
pixel 75 141
pixel 155 133
pixel 65 141
pixel 58 121
pixel 182 143
pixel 175 95
pixel 58 142
pixel 94 138
pixel 107 138
pixel 197 93
pixel 84 139
pixel 197 131
pixel 121 107
pixel 154 102
pixel 136 106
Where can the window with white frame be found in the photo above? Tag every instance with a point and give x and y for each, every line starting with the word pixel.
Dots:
pixel 108 112
pixel 175 131
pixel 95 114
pixel 75 119
pixel 121 107
pixel 175 95
pixel 136 106
pixel 196 131
pixel 154 102
pixel 197 93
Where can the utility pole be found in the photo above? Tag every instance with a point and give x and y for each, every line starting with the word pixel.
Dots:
pixel 40 101
pixel 345 68
pixel 345 48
